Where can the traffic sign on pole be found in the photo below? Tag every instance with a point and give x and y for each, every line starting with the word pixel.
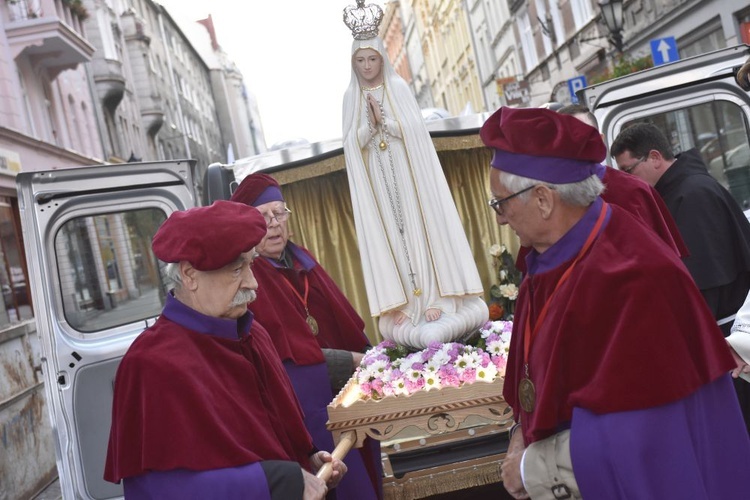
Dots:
pixel 574 85
pixel 664 50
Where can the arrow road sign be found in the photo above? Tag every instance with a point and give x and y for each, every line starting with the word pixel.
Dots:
pixel 664 50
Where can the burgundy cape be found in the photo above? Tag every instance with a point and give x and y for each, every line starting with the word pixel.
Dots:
pixel 641 200
pixel 644 202
pixel 189 400
pixel 627 331
pixel 278 309
pixel 340 327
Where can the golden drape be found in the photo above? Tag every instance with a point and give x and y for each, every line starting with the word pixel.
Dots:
pixel 322 221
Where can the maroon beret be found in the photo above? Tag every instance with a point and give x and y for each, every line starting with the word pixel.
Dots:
pixel 257 189
pixel 525 139
pixel 209 237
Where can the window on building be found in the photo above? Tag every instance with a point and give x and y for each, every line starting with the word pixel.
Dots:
pixel 582 12
pixel 109 46
pixel 527 41
pixel 545 28
pixel 16 304
pixel 706 38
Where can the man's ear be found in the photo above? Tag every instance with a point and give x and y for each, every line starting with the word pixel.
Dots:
pixel 544 198
pixel 655 155
pixel 188 273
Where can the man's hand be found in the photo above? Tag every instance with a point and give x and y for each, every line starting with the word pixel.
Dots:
pixel 339 467
pixel 742 367
pixel 356 359
pixel 511 467
pixel 315 488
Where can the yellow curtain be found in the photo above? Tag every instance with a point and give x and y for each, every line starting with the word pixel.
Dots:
pixel 322 221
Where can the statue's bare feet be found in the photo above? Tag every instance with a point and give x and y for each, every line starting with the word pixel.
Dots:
pixel 432 314
pixel 398 317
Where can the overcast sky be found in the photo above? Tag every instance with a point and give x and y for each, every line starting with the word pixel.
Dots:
pixel 293 54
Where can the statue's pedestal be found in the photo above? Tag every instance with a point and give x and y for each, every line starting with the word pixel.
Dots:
pixel 435 441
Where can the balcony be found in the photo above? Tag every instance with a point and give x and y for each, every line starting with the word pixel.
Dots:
pixel 49 33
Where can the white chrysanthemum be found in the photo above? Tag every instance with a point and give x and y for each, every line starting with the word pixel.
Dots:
pixel 440 358
pixel 496 250
pixel 399 387
pixel 406 363
pixel 431 381
pixel 365 374
pixel 466 361
pixel 432 366
pixel 495 348
pixel 378 366
pixel 487 374
pixel 413 375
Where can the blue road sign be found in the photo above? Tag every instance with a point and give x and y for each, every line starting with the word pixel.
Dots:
pixel 664 50
pixel 574 85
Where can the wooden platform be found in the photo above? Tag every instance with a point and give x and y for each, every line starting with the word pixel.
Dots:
pixel 433 442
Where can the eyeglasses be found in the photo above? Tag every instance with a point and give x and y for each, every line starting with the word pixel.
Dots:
pixel 630 169
pixel 277 216
pixel 497 204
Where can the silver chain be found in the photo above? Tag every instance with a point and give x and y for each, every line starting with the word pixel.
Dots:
pixel 394 197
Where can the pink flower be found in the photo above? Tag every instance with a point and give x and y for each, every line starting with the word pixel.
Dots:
pixel 366 388
pixel 377 386
pixel 415 385
pixel 468 376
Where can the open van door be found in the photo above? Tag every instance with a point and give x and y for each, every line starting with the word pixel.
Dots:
pixel 96 285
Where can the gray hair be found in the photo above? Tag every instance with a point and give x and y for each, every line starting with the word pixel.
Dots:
pixel 581 193
pixel 172 275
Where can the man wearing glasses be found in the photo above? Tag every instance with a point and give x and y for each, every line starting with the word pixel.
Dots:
pixel 711 222
pixel 617 372
pixel 319 336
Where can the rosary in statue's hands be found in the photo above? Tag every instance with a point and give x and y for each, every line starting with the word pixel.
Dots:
pixel 375 113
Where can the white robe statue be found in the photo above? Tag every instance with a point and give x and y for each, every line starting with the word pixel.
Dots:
pixel 421 278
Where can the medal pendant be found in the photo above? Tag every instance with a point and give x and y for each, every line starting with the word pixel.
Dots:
pixel 527 395
pixel 312 324
pixel 382 145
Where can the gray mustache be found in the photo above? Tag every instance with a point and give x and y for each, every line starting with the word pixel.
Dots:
pixel 243 297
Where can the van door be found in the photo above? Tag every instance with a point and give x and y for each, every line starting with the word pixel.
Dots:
pixel 96 285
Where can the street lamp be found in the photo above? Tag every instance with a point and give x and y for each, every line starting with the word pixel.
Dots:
pixel 612 15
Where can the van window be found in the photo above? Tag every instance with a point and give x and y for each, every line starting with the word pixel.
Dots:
pixel 719 130
pixel 108 273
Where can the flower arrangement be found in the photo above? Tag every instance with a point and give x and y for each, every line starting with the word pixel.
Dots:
pixel 504 293
pixel 390 370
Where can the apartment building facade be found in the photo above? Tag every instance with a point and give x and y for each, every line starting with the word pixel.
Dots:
pixel 86 82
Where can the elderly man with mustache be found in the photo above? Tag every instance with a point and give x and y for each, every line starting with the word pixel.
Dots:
pixel 203 407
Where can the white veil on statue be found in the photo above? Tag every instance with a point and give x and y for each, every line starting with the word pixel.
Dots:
pixel 396 182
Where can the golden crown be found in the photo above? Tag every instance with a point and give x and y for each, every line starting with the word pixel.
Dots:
pixel 363 20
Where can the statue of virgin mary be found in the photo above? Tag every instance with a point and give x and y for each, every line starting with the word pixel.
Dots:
pixel 420 276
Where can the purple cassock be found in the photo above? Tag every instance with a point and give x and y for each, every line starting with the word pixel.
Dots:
pixel 280 310
pixel 686 449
